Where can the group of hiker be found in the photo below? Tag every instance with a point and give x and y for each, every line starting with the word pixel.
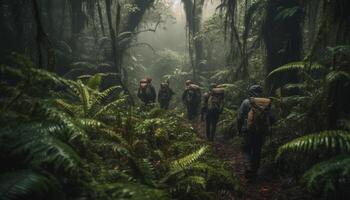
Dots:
pixel 253 122
pixel 147 93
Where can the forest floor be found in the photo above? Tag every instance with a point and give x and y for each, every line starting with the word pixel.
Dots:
pixel 264 187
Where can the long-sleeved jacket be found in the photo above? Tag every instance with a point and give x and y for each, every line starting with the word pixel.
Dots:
pixel 147 98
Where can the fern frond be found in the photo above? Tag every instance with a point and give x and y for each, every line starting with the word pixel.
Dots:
pixel 115 147
pixel 67 107
pixel 39 146
pixel 43 75
pixel 191 182
pixel 293 67
pixel 84 97
pixel 331 141
pixel 146 170
pixel 7 71
pixel 26 184
pixel 90 124
pixel 114 136
pixel 55 116
pixel 328 173
pixel 337 76
pixel 287 68
pixel 186 161
pixel 109 106
pixel 107 93
pixel 94 82
pixel 54 152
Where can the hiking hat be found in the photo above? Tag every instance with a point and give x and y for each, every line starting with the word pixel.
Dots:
pixel 255 91
pixel 188 82
pixel 149 79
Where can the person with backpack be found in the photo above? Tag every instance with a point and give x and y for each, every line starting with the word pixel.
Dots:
pixel 254 123
pixel 214 103
pixel 191 97
pixel 164 95
pixel 146 91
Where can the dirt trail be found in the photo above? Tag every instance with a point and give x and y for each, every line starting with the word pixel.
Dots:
pixel 264 188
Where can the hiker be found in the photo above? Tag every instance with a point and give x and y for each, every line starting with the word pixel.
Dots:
pixel 191 97
pixel 254 123
pixel 213 107
pixel 206 95
pixel 164 95
pixel 146 91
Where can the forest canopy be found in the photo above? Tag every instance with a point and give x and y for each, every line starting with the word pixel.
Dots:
pixel 76 121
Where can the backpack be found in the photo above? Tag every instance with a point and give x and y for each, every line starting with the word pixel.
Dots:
pixel 215 101
pixel 145 90
pixel 258 116
pixel 193 94
pixel 164 93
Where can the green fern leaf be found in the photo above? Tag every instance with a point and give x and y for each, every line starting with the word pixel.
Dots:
pixel 94 82
pixel 186 161
pixel 328 173
pixel 70 109
pixel 109 106
pixel 26 184
pixel 337 76
pixel 328 140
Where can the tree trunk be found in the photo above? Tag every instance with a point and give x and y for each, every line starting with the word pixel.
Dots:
pixel 100 16
pixel 42 40
pixel 282 36
pixel 113 37
pixel 193 10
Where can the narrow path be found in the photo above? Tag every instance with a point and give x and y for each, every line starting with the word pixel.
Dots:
pixel 264 188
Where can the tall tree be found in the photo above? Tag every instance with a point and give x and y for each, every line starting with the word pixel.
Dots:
pixel 194 10
pixel 282 32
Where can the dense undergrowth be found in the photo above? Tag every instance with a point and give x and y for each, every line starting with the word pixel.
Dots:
pixel 310 141
pixel 64 139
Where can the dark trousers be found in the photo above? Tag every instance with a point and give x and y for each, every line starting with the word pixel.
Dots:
pixel 252 146
pixel 164 104
pixel 211 120
pixel 192 111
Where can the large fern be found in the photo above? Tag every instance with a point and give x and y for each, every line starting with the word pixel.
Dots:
pixel 186 161
pixel 41 148
pixel 294 66
pixel 329 174
pixel 327 177
pixel 27 184
pixel 331 141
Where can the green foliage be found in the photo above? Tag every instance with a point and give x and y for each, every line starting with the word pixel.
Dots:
pixel 328 177
pixel 280 74
pixel 186 161
pixel 327 174
pixel 329 141
pixel 286 13
pixel 76 136
pixel 27 184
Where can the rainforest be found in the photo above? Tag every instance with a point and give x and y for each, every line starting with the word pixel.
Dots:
pixel 174 99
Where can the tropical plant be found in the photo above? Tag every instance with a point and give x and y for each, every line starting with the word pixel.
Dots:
pixel 308 96
pixel 76 136
pixel 330 177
